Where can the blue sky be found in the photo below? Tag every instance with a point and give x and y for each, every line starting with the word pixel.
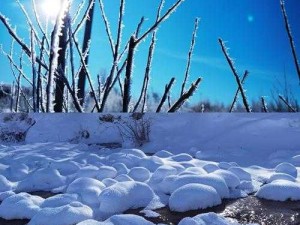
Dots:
pixel 254 31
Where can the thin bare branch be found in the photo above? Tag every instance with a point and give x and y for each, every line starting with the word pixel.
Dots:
pixel 165 95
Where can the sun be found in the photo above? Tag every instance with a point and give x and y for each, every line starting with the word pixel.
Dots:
pixel 51 8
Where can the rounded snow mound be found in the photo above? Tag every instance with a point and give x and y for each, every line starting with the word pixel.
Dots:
pixel 210 180
pixel 287 168
pixel 109 181
pixel 123 178
pixel 70 214
pixel 45 179
pixel 230 178
pixel 59 200
pixel 151 163
pixel 88 171
pixel 5 185
pixel 16 171
pixel 135 152
pixel 183 157
pixel 119 220
pixel 280 190
pixel 224 165
pixel 163 154
pixel 20 206
pixel 162 172
pixel 296 160
pixel 209 168
pixel 139 174
pixel 206 219
pixel 106 172
pixel 121 168
pixel 193 171
pixel 240 173
pixel 123 196
pixel 193 197
pixel 66 167
pixel 88 190
pixel 281 176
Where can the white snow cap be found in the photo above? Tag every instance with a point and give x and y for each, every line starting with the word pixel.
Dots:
pixel 281 176
pixel 287 168
pixel 20 206
pixel 207 219
pixel 280 190
pixel 70 214
pixel 193 197
pixel 123 196
pixel 139 174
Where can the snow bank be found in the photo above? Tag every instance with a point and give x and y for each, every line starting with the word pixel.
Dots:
pixel 139 174
pixel 287 168
pixel 119 220
pixel 206 219
pixel 280 190
pixel 45 179
pixel 70 214
pixel 20 206
pixel 193 197
pixel 88 190
pixel 123 196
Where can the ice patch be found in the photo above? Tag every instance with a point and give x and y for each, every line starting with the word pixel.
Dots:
pixel 193 197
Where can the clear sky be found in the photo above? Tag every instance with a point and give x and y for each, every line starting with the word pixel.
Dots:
pixel 254 31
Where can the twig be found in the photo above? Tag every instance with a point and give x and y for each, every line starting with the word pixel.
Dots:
pixel 32 44
pixel 264 105
pixel 230 62
pixel 292 109
pixel 165 95
pixel 187 71
pixel 177 105
pixel 289 32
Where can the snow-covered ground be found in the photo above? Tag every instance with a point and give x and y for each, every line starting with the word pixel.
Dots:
pixel 196 162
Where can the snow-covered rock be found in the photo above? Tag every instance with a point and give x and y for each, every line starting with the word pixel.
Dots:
pixel 193 171
pixel 163 154
pixel 119 220
pixel 106 172
pixel 240 173
pixel 139 174
pixel 70 214
pixel 281 176
pixel 88 171
pixel 123 178
pixel 20 206
pixel 6 194
pixel 109 181
pixel 206 219
pixel 162 172
pixel 59 200
pixel 193 197
pixel 224 165
pixel 45 179
pixel 121 168
pixel 287 168
pixel 151 163
pixel 230 178
pixel 280 190
pixel 209 168
pixel 123 196
pixel 65 167
pixel 182 157
pixel 135 152
pixel 88 190
pixel 5 185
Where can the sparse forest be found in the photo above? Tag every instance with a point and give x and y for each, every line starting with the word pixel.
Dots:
pixel 60 79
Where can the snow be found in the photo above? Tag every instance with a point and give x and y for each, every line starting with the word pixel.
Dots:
pixel 280 190
pixel 70 214
pixel 235 155
pixel 139 174
pixel 119 220
pixel 192 197
pixel 287 168
pixel 88 190
pixel 123 196
pixel 20 206
pixel 207 219
pixel 44 179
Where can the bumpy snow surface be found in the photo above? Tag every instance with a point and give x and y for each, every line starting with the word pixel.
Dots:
pixel 187 171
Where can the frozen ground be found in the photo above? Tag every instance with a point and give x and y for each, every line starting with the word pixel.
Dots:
pixel 196 162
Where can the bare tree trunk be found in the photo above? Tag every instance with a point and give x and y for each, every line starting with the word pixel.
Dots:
pixel 85 47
